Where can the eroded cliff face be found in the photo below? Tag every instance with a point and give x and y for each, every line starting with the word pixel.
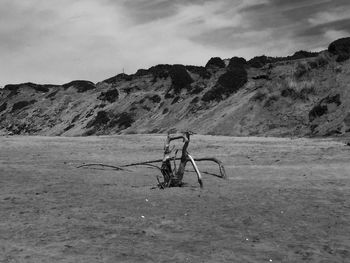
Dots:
pixel 306 94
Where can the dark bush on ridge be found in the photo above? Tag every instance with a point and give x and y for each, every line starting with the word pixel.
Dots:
pixel 119 77
pixel 236 62
pixel 201 71
pixel 215 62
pixel 80 85
pixel 180 78
pixel 340 47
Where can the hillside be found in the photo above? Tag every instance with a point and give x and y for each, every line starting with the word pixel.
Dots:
pixel 306 94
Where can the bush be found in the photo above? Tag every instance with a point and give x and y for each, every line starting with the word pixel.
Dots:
pixel 142 72
pixel 322 107
pixel 180 78
pixel 75 118
pixel 175 100
pixel 80 85
pixel 303 54
pixel 215 62
pixel 259 61
pixel 319 61
pixel 166 110
pixel 300 70
pixel 110 95
pixel 259 96
pixel 101 119
pixel 233 80
pixel 123 120
pixel 236 62
pixel 196 89
pixel 37 87
pixel 169 95
pixel 263 76
pixel 228 83
pixel 270 100
pixel 155 98
pixel 194 100
pixel 201 71
pixel 52 94
pixel 340 47
pixel 160 71
pixel 22 104
pixel 117 78
pixel 3 106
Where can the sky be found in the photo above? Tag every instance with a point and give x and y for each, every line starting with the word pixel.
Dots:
pixel 56 41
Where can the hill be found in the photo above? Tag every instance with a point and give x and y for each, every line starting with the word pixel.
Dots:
pixel 306 94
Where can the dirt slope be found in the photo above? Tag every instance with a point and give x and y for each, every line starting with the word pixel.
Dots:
pixel 305 94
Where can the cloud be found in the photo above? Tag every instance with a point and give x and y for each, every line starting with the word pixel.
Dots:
pixel 60 40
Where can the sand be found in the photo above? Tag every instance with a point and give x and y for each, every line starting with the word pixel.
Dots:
pixel 284 201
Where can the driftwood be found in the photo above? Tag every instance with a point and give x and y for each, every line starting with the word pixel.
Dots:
pixel 172 177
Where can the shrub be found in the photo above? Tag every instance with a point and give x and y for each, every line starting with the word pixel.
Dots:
pixel 117 78
pixel 142 72
pixel 233 80
pixel 201 71
pixel 175 100
pixel 68 127
pixel 317 111
pixel 37 87
pixel 155 98
pixel 322 107
pixel 101 119
pixel 110 95
pixel 75 118
pixel 80 85
pixel 128 90
pixel 215 62
pixel 196 89
pixel 319 61
pixel 259 96
pixel 270 100
pixel 123 120
pixel 194 100
pixel 3 106
pixel 160 71
pixel 22 104
pixel 303 54
pixel 228 83
pixel 259 61
pixel 52 94
pixel 180 78
pixel 340 47
pixel 166 110
pixel 236 62
pixel 300 70
pixel 169 95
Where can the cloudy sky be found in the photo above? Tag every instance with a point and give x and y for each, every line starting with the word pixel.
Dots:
pixel 55 41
